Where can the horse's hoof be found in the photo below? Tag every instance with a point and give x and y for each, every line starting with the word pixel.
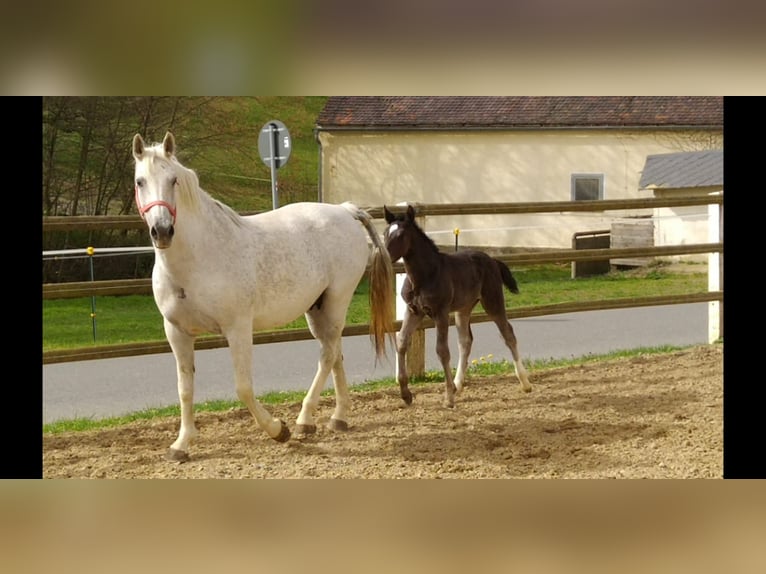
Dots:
pixel 284 433
pixel 527 389
pixel 305 429
pixel 407 398
pixel 337 425
pixel 175 455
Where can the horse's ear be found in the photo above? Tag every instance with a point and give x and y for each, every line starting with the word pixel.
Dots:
pixel 410 213
pixel 169 144
pixel 389 216
pixel 138 146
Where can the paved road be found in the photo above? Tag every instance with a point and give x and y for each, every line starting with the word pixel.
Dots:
pixel 112 387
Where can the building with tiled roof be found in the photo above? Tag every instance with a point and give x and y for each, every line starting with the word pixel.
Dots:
pixel 518 112
pixel 393 149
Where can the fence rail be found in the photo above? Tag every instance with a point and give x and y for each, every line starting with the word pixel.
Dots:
pixel 75 289
pixel 143 286
pixel 288 335
pixel 99 222
pixel 435 209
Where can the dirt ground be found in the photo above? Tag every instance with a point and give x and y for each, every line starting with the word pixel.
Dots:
pixel 651 416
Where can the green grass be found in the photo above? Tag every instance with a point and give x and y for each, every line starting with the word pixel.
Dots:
pixel 67 323
pixel 551 284
pixel 484 366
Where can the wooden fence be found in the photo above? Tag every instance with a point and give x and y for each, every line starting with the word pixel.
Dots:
pixel 714 295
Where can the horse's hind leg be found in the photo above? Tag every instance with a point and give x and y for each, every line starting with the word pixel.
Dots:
pixel 465 342
pixel 183 350
pixel 339 419
pixel 328 333
pixel 240 344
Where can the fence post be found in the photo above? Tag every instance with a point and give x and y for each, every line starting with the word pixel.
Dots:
pixel 715 271
pixel 416 356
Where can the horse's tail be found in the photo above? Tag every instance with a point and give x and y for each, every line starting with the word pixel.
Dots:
pixel 382 301
pixel 507 276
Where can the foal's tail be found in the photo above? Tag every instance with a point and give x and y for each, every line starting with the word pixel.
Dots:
pixel 381 285
pixel 507 276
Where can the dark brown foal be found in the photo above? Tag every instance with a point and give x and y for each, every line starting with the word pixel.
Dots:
pixel 438 284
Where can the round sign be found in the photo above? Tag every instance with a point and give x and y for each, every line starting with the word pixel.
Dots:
pixel 274 143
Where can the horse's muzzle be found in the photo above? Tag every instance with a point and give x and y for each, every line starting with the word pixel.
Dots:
pixel 162 235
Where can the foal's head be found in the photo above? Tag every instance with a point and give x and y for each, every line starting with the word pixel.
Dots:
pixel 401 233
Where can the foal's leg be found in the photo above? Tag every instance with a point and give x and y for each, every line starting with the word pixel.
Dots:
pixel 183 350
pixel 240 340
pixel 412 320
pixel 465 342
pixel 442 350
pixel 504 326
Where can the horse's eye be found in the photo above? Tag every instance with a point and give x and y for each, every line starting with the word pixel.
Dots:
pixel 140 182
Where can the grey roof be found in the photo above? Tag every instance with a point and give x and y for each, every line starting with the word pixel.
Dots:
pixel 683 170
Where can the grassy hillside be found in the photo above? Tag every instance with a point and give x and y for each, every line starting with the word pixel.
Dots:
pixel 235 173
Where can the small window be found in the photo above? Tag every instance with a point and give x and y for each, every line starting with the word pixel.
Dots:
pixel 587 186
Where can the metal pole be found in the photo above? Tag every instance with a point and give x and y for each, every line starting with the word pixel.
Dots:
pixel 90 252
pixel 273 147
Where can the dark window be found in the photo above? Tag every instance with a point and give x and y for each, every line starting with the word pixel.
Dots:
pixel 587 186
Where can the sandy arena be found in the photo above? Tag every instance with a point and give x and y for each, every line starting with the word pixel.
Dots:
pixel 651 416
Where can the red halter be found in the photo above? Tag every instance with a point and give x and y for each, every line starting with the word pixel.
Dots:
pixel 148 206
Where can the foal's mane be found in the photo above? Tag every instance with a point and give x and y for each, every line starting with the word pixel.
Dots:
pixel 424 237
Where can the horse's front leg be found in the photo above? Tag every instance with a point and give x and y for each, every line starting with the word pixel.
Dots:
pixel 183 351
pixel 412 319
pixel 240 341
pixel 442 350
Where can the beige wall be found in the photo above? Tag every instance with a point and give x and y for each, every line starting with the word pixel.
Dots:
pixel 373 169
pixel 682 225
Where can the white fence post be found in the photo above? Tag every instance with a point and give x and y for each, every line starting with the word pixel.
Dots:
pixel 715 271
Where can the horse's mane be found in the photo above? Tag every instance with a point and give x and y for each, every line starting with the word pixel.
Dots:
pixel 189 190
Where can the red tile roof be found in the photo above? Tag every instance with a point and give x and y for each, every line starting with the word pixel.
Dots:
pixel 520 111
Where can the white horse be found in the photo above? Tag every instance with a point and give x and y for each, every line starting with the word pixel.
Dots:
pixel 218 272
